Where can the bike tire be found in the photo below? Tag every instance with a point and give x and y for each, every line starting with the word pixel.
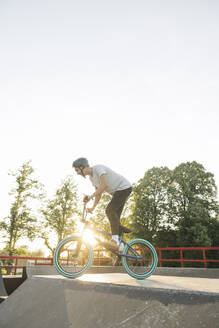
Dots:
pixel 74 267
pixel 144 268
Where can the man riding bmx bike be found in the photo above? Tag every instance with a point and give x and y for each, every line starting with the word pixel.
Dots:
pixel 106 180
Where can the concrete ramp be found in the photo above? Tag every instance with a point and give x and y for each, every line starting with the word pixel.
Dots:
pixel 52 301
pixel 39 270
pixel 3 292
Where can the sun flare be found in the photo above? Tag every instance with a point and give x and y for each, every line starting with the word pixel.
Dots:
pixel 88 237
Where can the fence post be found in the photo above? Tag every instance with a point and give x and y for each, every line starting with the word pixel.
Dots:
pixel 204 257
pixel 181 258
pixel 160 257
pixel 53 252
pixel 98 255
pixel 141 251
pixel 15 271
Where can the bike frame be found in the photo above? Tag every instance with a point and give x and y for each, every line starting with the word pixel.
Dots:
pixel 87 226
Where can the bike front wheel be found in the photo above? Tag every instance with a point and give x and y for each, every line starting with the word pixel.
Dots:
pixel 73 257
pixel 139 258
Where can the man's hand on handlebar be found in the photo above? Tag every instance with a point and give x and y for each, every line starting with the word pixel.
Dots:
pixel 86 199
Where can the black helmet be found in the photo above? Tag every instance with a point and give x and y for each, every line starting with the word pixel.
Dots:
pixel 80 162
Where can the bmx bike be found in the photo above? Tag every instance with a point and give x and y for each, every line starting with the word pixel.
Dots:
pixel 74 255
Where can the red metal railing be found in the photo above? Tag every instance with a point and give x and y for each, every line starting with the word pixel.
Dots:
pixel 99 259
pixel 33 260
pixel 182 260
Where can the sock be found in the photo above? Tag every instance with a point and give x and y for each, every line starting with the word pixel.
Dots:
pixel 121 247
pixel 116 238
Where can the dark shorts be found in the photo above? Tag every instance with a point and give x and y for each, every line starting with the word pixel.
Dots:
pixel 115 207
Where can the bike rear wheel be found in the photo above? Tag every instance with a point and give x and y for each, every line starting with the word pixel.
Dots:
pixel 139 268
pixel 68 261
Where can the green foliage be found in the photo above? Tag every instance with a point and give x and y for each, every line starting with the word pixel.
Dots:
pixel 213 232
pixel 166 238
pixel 150 203
pixel 24 251
pixel 21 221
pixel 194 204
pixel 176 208
pixel 37 253
pixel 61 213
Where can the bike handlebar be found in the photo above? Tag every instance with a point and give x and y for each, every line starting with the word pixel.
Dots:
pixel 86 198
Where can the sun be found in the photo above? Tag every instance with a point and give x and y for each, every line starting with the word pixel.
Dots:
pixel 88 237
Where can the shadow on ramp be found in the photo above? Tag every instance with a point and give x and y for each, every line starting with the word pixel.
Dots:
pixel 3 293
pixel 51 301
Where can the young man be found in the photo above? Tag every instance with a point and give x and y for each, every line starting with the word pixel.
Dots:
pixel 106 180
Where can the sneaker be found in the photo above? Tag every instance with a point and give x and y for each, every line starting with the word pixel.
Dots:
pixel 121 247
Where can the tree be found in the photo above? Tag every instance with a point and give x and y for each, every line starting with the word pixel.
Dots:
pixel 21 221
pixel 194 203
pixel 176 208
pixel 60 214
pixel 150 203
pixel 214 232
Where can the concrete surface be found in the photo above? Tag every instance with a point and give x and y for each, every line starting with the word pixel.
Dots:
pixel 164 271
pixel 155 281
pixel 48 300
pixel 187 272
pixel 173 283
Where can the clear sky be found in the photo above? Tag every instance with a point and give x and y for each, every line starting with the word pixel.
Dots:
pixel 129 84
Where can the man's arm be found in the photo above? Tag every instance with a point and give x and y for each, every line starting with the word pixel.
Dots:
pixel 96 201
pixel 99 191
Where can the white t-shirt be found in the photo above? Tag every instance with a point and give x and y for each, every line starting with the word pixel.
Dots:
pixel 114 180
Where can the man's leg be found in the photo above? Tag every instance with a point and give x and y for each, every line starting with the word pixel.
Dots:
pixel 115 207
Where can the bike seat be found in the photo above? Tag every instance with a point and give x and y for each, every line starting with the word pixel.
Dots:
pixel 123 229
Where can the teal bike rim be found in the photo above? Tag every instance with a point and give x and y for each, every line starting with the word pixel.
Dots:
pixel 155 259
pixel 75 274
